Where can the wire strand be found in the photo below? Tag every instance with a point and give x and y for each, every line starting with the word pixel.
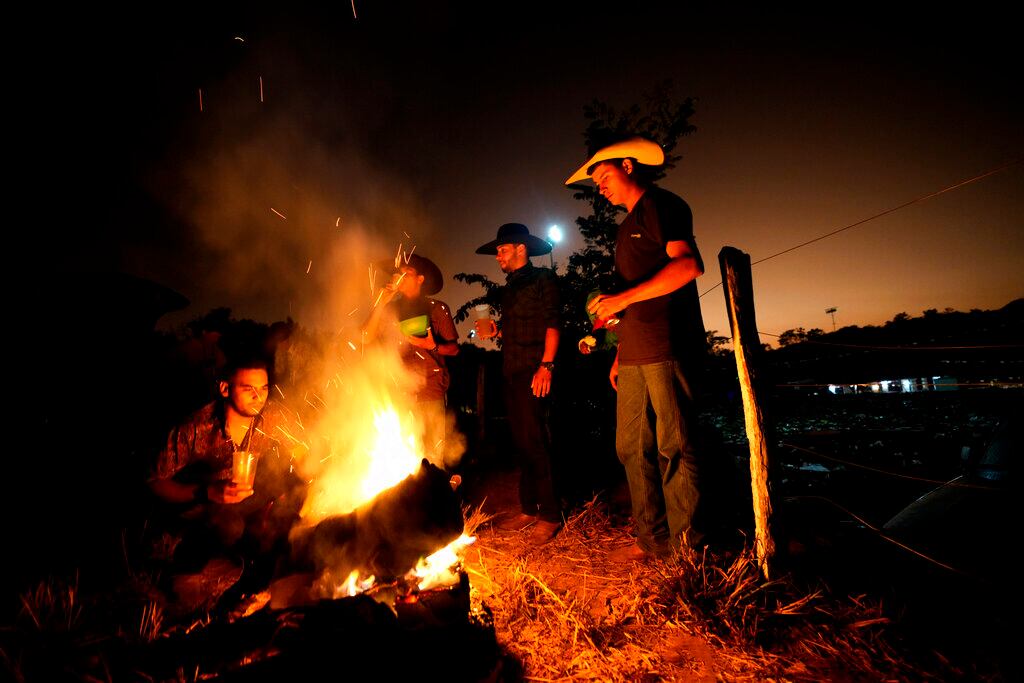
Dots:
pixel 902 348
pixel 922 198
pixel 884 536
pixel 876 470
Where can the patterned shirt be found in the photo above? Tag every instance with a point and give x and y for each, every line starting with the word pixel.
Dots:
pixel 530 304
pixel 202 441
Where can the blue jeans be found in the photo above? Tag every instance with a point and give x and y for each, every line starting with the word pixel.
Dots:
pixel 654 439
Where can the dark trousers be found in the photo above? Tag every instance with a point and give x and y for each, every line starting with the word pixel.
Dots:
pixel 528 422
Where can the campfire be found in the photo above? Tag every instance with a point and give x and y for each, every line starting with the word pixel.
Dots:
pixel 379 519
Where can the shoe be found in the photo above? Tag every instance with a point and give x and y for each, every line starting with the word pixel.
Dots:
pixel 543 531
pixel 630 554
pixel 516 522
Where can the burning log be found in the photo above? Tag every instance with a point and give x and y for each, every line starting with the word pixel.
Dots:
pixel 385 537
pixel 327 640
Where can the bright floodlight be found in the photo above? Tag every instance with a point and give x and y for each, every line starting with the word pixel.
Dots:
pixel 554 234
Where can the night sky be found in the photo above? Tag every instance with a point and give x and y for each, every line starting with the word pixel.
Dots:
pixel 442 122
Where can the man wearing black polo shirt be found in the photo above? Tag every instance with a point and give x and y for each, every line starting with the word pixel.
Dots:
pixel 530 328
pixel 661 345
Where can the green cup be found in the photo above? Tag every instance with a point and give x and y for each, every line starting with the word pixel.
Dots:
pixel 416 327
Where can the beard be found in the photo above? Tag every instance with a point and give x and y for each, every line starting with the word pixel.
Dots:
pixel 250 410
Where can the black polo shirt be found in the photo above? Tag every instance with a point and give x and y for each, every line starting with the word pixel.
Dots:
pixel 669 326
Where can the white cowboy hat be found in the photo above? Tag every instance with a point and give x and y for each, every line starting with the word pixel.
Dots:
pixel 643 150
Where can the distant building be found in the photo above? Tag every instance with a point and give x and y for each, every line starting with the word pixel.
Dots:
pixel 897 386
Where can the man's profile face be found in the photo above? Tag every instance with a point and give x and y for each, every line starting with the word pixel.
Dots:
pixel 247 391
pixel 611 179
pixel 411 284
pixel 511 257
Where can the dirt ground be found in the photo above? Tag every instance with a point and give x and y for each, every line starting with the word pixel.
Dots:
pixel 589 597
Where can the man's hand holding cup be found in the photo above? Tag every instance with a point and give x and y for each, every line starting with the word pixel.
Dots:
pixel 485 326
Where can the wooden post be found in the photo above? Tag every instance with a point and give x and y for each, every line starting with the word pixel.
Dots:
pixel 739 303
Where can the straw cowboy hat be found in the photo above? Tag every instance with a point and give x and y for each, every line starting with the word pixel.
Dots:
pixel 516 233
pixel 433 281
pixel 643 150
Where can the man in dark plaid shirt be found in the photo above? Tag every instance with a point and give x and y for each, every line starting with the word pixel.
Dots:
pixel 211 516
pixel 530 328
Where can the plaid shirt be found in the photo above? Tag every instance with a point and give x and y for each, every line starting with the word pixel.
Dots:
pixel 202 439
pixel 529 306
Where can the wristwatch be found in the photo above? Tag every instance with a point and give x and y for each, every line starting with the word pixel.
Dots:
pixel 548 364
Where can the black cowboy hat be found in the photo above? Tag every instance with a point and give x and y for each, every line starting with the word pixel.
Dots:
pixel 516 233
pixel 433 281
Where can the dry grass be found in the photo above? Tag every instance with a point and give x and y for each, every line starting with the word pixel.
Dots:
pixel 565 613
pixel 53 605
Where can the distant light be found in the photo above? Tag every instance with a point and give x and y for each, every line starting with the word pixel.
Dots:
pixel 554 234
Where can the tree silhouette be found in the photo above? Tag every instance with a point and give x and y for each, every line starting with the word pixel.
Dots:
pixel 663 118
pixel 583 402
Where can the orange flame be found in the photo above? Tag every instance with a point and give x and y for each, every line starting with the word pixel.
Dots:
pixel 440 569
pixel 353 585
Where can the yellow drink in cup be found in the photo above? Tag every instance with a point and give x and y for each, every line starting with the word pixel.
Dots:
pixel 485 325
pixel 243 469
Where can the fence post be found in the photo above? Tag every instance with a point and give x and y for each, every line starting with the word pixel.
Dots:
pixel 739 303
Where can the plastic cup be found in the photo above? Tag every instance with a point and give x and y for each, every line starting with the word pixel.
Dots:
pixel 486 328
pixel 243 469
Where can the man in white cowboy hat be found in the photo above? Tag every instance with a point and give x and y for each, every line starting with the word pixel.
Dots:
pixel 661 343
pixel 530 329
pixel 425 334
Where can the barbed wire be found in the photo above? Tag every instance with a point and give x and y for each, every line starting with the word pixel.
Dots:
pixel 884 536
pixel 1008 385
pixel 901 348
pixel 950 484
pixel 917 200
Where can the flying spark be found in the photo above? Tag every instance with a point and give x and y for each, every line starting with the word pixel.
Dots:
pixel 278 213
pixel 200 99
pixel 308 267
pixel 261 88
